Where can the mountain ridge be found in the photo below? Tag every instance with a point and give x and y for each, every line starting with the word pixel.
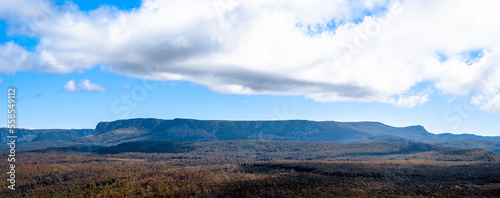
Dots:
pixel 299 130
pixel 110 133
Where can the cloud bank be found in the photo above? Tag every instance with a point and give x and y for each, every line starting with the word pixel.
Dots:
pixel 369 51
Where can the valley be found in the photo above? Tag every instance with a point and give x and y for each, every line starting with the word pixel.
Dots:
pixel 294 158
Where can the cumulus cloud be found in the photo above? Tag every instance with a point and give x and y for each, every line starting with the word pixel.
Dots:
pixel 14 58
pixel 90 86
pixel 411 101
pixel 70 86
pixel 84 85
pixel 492 104
pixel 487 102
pixel 323 50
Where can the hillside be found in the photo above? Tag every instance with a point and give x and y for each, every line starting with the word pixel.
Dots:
pixel 44 135
pixel 111 133
pixel 189 130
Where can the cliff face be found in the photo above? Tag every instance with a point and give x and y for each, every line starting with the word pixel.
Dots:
pixel 208 130
pixel 189 130
pixel 139 123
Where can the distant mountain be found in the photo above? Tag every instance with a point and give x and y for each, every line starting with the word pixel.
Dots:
pixel 189 130
pixel 470 136
pixel 149 129
pixel 111 133
pixel 45 135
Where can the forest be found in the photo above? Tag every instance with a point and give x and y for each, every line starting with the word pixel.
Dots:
pixel 258 169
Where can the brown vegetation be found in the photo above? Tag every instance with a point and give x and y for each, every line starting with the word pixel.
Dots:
pixel 83 174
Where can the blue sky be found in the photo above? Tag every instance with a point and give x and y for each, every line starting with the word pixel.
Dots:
pixel 88 61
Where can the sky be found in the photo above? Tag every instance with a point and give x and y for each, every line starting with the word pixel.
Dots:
pixel 75 63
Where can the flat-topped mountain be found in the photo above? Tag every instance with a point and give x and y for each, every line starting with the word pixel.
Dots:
pixel 191 130
pixel 211 130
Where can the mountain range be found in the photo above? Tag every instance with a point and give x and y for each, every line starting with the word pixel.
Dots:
pixel 108 134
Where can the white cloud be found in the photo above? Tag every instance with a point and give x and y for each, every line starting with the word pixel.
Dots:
pixel 488 103
pixel 411 101
pixel 24 11
pixel 273 47
pixel 15 58
pixel 90 86
pixel 84 85
pixel 492 104
pixel 70 86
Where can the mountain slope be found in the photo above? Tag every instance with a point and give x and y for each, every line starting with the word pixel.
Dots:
pixel 110 133
pixel 469 137
pixel 190 130
pixel 44 135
